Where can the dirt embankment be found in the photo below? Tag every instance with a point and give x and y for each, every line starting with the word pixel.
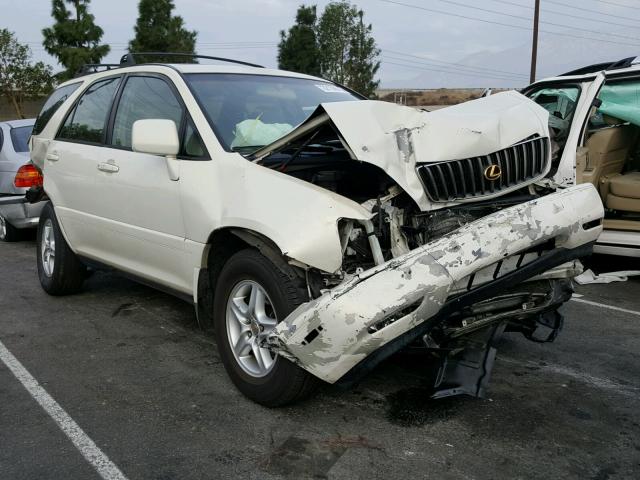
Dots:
pixel 439 96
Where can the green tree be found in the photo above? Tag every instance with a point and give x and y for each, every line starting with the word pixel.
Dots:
pixel 19 78
pixel 157 30
pixel 348 52
pixel 335 30
pixel 74 39
pixel 298 49
pixel 363 63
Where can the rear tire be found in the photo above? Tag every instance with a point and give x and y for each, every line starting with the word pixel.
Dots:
pixel 8 233
pixel 59 269
pixel 240 321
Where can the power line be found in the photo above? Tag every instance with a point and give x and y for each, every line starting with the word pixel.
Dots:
pixel 593 11
pixel 617 4
pixel 459 65
pixel 510 25
pixel 487 10
pixel 598 20
pixel 442 71
pixel 599 13
pixel 513 3
pixel 454 69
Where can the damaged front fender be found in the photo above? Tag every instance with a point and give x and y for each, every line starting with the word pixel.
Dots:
pixel 334 333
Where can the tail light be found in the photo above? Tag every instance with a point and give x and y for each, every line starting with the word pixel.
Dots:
pixel 28 176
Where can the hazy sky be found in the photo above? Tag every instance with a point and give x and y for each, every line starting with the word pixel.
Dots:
pixel 499 54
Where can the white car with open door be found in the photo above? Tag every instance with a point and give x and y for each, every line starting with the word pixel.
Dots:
pixel 595 125
pixel 318 232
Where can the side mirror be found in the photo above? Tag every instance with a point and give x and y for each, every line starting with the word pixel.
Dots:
pixel 155 136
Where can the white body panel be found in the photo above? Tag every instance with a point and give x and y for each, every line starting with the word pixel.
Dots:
pixel 140 206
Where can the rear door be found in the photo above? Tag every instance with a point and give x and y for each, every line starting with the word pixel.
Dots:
pixel 70 167
pixel 138 203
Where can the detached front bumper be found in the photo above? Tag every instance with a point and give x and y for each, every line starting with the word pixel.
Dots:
pixel 355 325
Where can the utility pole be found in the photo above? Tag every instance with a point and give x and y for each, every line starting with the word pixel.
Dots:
pixel 534 47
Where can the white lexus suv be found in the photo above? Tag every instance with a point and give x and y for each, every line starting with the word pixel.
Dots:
pixel 317 232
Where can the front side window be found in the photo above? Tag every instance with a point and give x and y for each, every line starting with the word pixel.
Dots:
pixel 144 98
pixel 20 138
pixel 561 103
pixel 250 111
pixel 51 106
pixel 87 121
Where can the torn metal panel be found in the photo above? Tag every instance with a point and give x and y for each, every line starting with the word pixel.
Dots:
pixel 331 334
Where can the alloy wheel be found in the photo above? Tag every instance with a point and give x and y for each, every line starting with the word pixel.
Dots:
pixel 48 248
pixel 250 318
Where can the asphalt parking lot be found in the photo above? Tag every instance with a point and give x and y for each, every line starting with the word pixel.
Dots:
pixel 130 367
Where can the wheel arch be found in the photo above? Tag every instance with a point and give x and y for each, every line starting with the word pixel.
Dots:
pixel 221 245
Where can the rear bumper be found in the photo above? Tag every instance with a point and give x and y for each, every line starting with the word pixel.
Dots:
pixel 372 315
pixel 20 213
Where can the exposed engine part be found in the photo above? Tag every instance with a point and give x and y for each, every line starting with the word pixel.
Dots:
pixel 374 243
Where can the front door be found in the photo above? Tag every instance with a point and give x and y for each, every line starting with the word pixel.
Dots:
pixel 139 203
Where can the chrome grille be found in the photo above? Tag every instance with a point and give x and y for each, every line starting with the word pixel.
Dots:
pixel 462 179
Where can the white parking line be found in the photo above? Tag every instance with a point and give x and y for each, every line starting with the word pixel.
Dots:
pixel 89 450
pixel 602 305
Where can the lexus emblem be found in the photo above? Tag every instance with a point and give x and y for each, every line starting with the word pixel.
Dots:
pixel 493 172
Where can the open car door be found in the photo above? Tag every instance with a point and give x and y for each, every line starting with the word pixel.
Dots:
pixel 566 173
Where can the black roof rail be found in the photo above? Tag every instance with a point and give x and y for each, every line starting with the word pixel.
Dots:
pixel 129 58
pixel 598 67
pixel 95 68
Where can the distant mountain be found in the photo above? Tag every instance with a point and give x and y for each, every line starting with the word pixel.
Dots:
pixel 556 55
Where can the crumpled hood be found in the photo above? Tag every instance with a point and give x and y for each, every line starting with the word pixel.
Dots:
pixel 396 138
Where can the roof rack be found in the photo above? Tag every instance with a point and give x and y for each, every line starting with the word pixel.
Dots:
pixel 95 68
pixel 129 58
pixel 598 67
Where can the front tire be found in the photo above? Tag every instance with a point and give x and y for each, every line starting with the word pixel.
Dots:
pixel 59 269
pixel 252 295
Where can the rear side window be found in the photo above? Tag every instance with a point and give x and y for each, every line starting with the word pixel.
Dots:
pixel 144 98
pixel 20 138
pixel 52 104
pixel 87 120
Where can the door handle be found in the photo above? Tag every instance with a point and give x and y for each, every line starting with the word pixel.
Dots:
pixel 53 157
pixel 108 167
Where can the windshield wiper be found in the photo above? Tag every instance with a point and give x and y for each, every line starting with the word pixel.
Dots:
pixel 248 148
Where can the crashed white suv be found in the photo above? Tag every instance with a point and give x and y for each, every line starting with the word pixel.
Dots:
pixel 317 232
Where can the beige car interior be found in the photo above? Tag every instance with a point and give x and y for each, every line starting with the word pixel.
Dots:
pixel 610 160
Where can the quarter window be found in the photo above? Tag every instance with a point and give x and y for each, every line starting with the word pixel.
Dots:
pixel 144 98
pixel 88 119
pixel 55 100
pixel 192 144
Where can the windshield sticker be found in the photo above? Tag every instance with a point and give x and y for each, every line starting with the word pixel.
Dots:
pixel 329 88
